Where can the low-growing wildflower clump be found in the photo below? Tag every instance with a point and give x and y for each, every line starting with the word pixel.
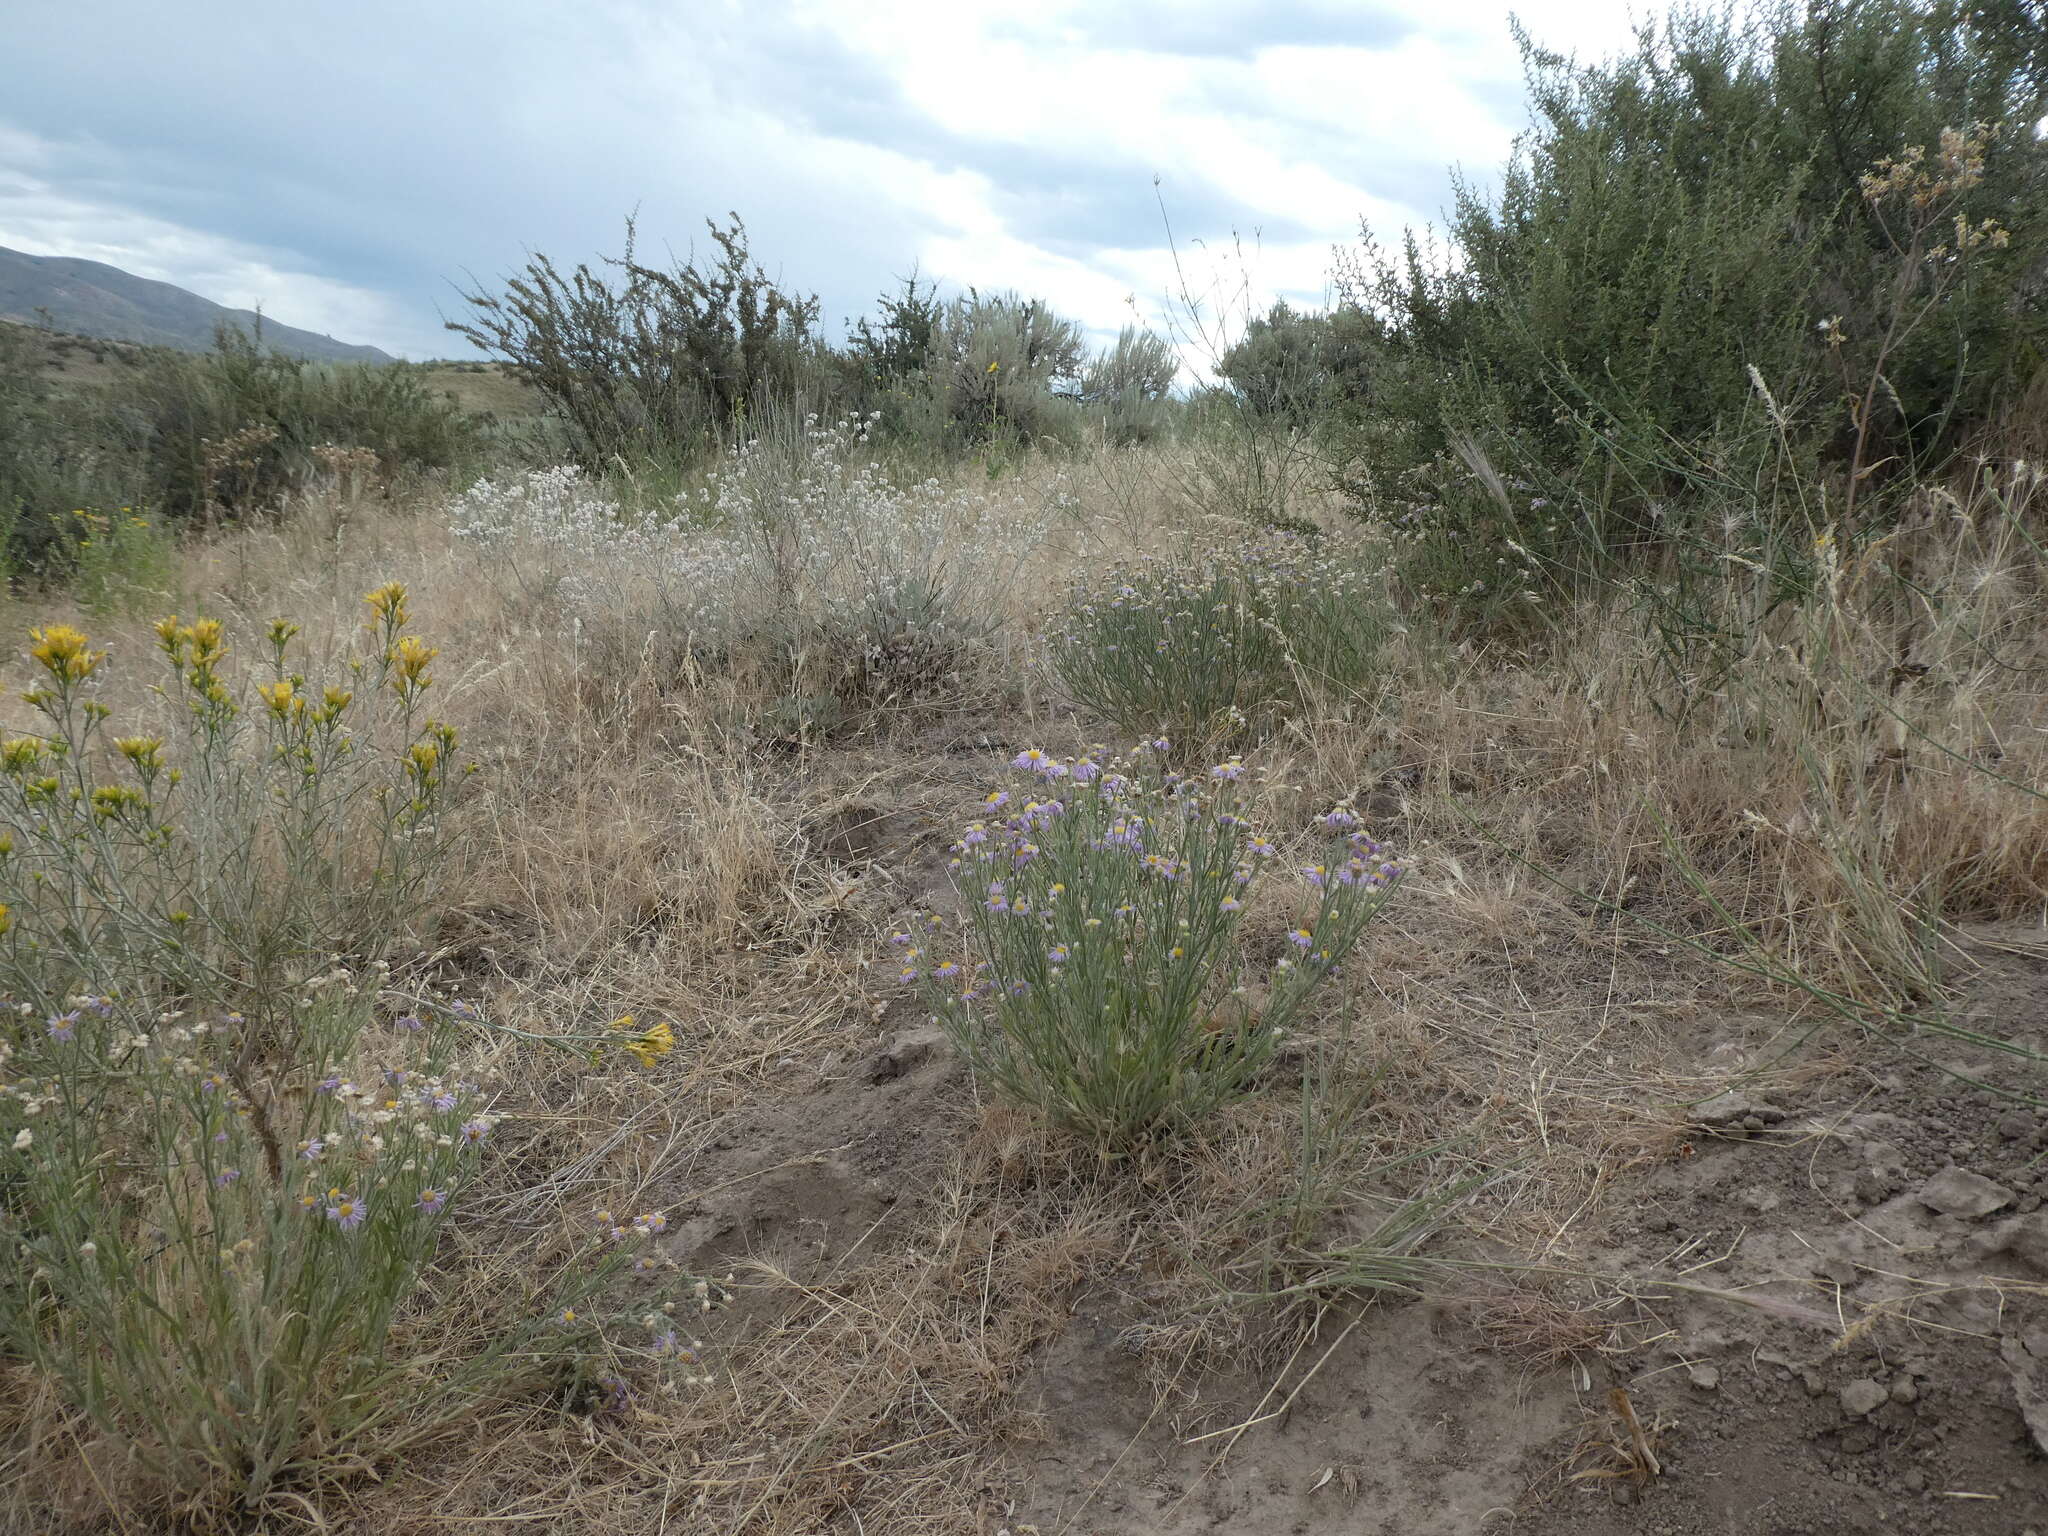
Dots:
pixel 1096 973
pixel 562 543
pixel 234 842
pixel 214 1246
pixel 1200 646
pixel 229 1142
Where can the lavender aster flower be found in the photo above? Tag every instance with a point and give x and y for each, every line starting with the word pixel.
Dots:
pixel 347 1212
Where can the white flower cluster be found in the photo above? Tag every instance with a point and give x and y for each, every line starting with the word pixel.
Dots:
pixel 812 528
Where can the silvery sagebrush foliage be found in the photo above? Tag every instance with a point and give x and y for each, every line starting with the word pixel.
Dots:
pixel 1096 973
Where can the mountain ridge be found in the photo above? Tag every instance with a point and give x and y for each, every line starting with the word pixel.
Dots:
pixel 91 298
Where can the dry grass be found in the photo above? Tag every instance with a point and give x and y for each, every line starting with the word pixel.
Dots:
pixel 1520 1018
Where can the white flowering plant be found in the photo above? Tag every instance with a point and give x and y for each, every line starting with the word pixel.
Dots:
pixel 800 555
pixel 1096 973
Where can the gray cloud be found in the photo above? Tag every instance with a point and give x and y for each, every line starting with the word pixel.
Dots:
pixel 396 147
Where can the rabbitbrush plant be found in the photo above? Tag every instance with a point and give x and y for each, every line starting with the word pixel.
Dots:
pixel 1096 974
pixel 226 1156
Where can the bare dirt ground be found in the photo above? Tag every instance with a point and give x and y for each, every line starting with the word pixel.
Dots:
pixel 1822 1308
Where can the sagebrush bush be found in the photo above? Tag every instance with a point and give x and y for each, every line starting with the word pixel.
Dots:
pixel 1201 646
pixel 238 430
pixel 661 364
pixel 1096 974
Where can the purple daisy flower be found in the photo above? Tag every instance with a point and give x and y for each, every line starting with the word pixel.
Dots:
pixel 431 1201
pixel 347 1211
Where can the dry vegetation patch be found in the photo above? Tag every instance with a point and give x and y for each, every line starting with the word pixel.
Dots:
pixel 1631 887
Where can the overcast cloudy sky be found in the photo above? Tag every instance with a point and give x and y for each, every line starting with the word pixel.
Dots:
pixel 346 164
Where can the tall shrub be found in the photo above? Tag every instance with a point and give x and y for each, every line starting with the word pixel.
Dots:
pixel 1680 222
pixel 645 363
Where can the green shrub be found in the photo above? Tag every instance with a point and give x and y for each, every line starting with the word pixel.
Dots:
pixel 1297 366
pixel 1095 974
pixel 235 431
pixel 180 438
pixel 119 560
pixel 656 367
pixel 1225 641
pixel 1125 390
pixel 59 451
pixel 1681 221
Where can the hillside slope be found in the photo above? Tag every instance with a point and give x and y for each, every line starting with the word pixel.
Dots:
pixel 91 298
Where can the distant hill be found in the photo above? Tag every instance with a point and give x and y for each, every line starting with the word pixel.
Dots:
pixel 90 298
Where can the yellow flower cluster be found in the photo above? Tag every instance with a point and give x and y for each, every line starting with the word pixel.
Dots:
pixel 387 603
pixel 409 661
pixel 145 752
pixel 646 1046
pixel 198 649
pixel 65 653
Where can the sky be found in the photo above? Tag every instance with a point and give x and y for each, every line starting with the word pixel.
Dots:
pixel 351 167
